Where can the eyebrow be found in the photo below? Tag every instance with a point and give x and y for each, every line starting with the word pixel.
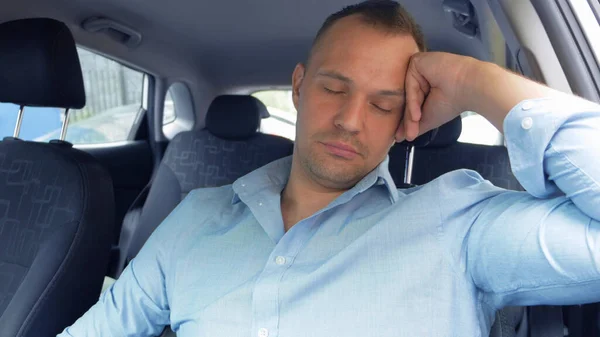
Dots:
pixel 337 76
pixel 399 93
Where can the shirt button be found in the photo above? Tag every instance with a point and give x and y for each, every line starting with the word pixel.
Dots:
pixel 280 260
pixel 527 106
pixel 243 185
pixel 262 332
pixel 260 204
pixel 527 123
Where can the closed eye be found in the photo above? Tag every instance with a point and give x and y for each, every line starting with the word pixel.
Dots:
pixel 333 91
pixel 381 109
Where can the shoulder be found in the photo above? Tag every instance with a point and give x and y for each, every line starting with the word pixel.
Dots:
pixel 214 194
pixel 452 181
pixel 461 178
pixel 203 202
pixel 457 188
pixel 200 204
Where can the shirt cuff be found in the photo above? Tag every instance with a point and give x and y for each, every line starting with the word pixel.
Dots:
pixel 529 129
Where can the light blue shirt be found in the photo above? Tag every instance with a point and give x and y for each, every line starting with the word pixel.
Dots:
pixel 435 260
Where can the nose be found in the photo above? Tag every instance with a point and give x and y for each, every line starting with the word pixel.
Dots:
pixel 351 115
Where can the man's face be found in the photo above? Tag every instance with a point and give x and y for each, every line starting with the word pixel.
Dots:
pixel 350 101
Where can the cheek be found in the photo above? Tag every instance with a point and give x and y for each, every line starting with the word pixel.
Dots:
pixel 317 112
pixel 381 134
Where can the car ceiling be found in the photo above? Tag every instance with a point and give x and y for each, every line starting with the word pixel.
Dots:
pixel 229 44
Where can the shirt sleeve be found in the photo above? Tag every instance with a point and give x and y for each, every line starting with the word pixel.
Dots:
pixel 137 303
pixel 541 246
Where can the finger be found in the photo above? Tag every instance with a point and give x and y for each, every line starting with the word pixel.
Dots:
pixel 417 88
pixel 430 121
pixel 399 136
pixel 416 85
pixel 411 127
pixel 415 98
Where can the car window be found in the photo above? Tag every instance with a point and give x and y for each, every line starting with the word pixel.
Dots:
pixel 178 110
pixel 36 121
pixel 476 129
pixel 113 100
pixel 282 121
pixel 168 109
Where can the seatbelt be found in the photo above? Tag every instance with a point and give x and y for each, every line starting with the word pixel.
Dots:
pixel 118 253
pixel 408 166
pixel 546 321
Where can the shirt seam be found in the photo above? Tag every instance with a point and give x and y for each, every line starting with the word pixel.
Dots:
pixel 489 296
pixel 479 294
pixel 157 309
pixel 568 160
pixel 440 235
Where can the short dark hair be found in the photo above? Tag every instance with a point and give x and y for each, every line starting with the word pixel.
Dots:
pixel 386 15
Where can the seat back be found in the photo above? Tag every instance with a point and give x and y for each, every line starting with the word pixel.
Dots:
pixel 438 152
pixel 56 203
pixel 228 148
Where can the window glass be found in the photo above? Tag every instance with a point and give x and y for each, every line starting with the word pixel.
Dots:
pixel 113 100
pixel 36 121
pixel 476 129
pixel 282 121
pixel 169 109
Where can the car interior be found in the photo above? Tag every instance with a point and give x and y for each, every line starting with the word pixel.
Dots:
pixel 113 111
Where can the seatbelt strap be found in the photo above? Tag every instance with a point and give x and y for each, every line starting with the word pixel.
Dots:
pixel 546 321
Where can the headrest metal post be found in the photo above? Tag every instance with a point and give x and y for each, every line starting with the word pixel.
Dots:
pixel 408 164
pixel 63 131
pixel 19 122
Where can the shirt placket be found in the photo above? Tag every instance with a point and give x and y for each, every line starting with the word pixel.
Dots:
pixel 265 297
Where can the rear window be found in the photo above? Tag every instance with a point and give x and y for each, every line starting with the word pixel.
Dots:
pixel 282 121
pixel 476 129
pixel 113 100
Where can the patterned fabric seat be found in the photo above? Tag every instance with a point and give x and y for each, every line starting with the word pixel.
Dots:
pixel 56 202
pixel 229 147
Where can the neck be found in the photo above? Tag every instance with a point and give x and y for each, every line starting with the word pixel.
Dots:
pixel 303 196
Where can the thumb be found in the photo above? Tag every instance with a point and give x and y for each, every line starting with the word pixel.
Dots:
pixel 400 135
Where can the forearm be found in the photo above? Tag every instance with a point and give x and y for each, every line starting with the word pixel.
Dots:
pixel 545 243
pixel 554 149
pixel 125 309
pixel 553 138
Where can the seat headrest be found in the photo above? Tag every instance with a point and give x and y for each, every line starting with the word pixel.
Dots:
pixel 443 136
pixel 39 65
pixel 235 116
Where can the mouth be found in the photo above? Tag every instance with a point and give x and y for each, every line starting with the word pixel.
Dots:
pixel 342 150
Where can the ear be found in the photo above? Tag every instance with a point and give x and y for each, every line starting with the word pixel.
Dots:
pixel 297 79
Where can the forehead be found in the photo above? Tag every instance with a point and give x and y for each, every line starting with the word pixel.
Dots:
pixel 355 47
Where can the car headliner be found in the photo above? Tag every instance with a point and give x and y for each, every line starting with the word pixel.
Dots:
pixel 229 44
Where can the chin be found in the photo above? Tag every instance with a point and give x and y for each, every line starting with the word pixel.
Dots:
pixel 334 172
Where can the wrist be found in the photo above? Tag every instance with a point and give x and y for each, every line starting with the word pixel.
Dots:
pixel 479 78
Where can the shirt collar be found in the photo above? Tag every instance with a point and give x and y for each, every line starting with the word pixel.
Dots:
pixel 384 177
pixel 275 175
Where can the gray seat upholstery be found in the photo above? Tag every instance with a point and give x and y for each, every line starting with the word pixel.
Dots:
pixel 442 153
pixel 228 148
pixel 56 202
pixel 490 161
pixel 438 152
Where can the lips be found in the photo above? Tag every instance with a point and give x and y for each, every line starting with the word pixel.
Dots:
pixel 342 150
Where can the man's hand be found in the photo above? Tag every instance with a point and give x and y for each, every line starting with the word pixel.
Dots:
pixel 433 85
pixel 440 86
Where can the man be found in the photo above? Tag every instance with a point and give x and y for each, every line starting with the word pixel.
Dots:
pixel 323 244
